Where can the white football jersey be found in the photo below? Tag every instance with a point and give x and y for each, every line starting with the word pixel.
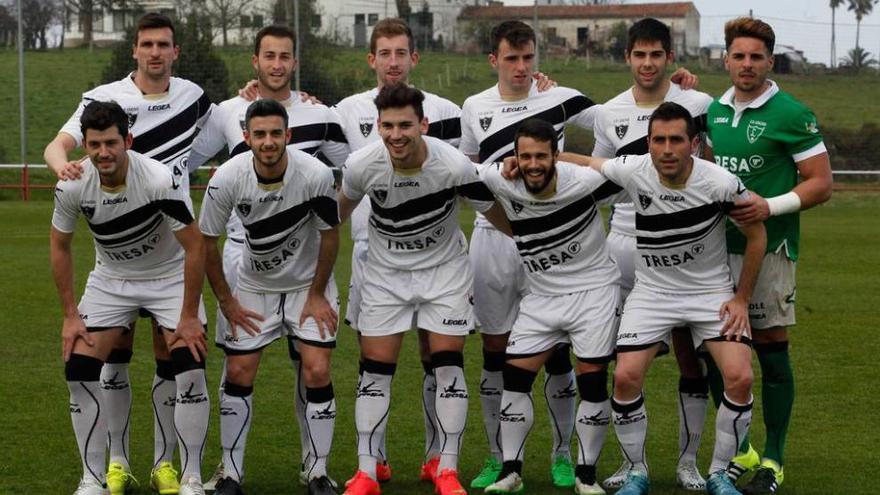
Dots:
pixel 680 238
pixel 281 219
pixel 163 126
pixel 488 122
pixel 133 226
pixel 621 128
pixel 414 220
pixel 560 239
pixel 358 114
pixel 314 129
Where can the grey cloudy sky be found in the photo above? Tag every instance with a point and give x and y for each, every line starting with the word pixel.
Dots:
pixel 805 24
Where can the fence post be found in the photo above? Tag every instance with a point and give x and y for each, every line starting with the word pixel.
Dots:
pixel 25 183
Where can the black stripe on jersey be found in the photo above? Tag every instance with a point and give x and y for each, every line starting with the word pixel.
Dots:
pixel 637 147
pixel 278 222
pixel 171 128
pixel 535 246
pixel 126 221
pixel 308 132
pixel 176 209
pixel 334 133
pixel 326 209
pixel 681 219
pixel 555 219
pixel 135 236
pixel 606 190
pixel 476 191
pixel 556 115
pixel 413 228
pixel 675 240
pixel 445 129
pixel 415 207
pixel 164 155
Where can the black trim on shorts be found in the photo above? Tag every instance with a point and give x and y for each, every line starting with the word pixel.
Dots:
pixel 664 348
pixel 104 329
pixel 160 328
pixel 243 352
pixel 743 340
pixel 316 343
pixel 597 360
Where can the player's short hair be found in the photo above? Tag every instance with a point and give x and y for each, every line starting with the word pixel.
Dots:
pixel 748 27
pixel 389 28
pixel 516 33
pixel 669 111
pixel 266 107
pixel 537 129
pixel 102 115
pixel 154 20
pixel 400 95
pixel 649 29
pixel 276 31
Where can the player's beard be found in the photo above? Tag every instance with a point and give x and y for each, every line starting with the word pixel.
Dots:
pixel 539 188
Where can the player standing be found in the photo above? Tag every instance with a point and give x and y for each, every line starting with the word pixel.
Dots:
pixel 164 114
pixel 768 139
pixel 573 299
pixel 149 255
pixel 622 129
pixel 314 129
pixel 489 121
pixel 416 273
pixel 285 199
pixel 392 56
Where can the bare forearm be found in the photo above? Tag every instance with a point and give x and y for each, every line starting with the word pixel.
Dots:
pixel 193 278
pixel 756 245
pixel 813 191
pixel 62 271
pixel 327 252
pixel 56 152
pixel 214 271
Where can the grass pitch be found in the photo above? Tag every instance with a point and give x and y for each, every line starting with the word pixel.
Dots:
pixel 832 440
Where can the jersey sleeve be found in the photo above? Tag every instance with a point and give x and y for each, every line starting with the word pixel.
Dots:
pixel 620 169
pixel 471 188
pixel 323 199
pixel 802 137
pixel 334 146
pixel 448 127
pixel 604 191
pixel 72 126
pixel 209 141
pixel 602 147
pixel 468 144
pixel 67 194
pixel 175 204
pixel 217 205
pixel 490 174
pixel 585 118
pixel 352 183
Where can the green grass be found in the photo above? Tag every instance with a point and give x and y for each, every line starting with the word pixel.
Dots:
pixel 832 442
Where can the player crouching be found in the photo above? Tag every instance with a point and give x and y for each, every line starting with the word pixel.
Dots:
pixel 149 255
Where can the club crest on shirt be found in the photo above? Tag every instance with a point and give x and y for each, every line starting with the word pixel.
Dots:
pixel 88 211
pixel 620 127
pixel 645 199
pixel 517 207
pixel 754 130
pixel 244 209
pixel 366 126
pixel 132 116
pixel 485 120
pixel 243 124
pixel 380 195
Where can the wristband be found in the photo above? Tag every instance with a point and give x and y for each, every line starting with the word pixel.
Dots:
pixel 783 204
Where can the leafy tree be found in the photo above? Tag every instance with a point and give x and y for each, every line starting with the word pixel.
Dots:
pixel 617 40
pixel 861 8
pixel 858 58
pixel 834 4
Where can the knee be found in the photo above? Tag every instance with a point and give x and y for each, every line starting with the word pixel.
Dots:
pixel 495 343
pixel 738 382
pixel 238 371
pixel 626 381
pixel 316 372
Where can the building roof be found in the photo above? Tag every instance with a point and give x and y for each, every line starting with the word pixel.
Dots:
pixel 635 10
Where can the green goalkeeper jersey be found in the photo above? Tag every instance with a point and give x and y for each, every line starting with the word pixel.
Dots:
pixel 761 144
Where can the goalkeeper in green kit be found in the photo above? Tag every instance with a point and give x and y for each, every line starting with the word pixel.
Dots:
pixel 768 139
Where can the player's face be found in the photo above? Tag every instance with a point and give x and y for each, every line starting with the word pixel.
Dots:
pixel 155 52
pixel 267 138
pixel 401 130
pixel 647 61
pixel 514 65
pixel 106 150
pixel 536 162
pixel 393 60
pixel 671 149
pixel 748 62
pixel 275 62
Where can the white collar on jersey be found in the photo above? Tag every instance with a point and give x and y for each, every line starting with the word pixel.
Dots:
pixel 728 96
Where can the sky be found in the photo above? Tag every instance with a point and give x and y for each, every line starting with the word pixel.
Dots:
pixel 804 24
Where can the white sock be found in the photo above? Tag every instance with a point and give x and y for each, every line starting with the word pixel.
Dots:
pixel 88 414
pixel 491 387
pixel 731 426
pixel 299 409
pixel 236 413
pixel 452 405
pixel 191 415
pixel 164 397
pixel 371 408
pixel 592 426
pixel 321 417
pixel 429 409
pixel 516 417
pixel 693 401
pixel 631 426
pixel 117 399
pixel 560 391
